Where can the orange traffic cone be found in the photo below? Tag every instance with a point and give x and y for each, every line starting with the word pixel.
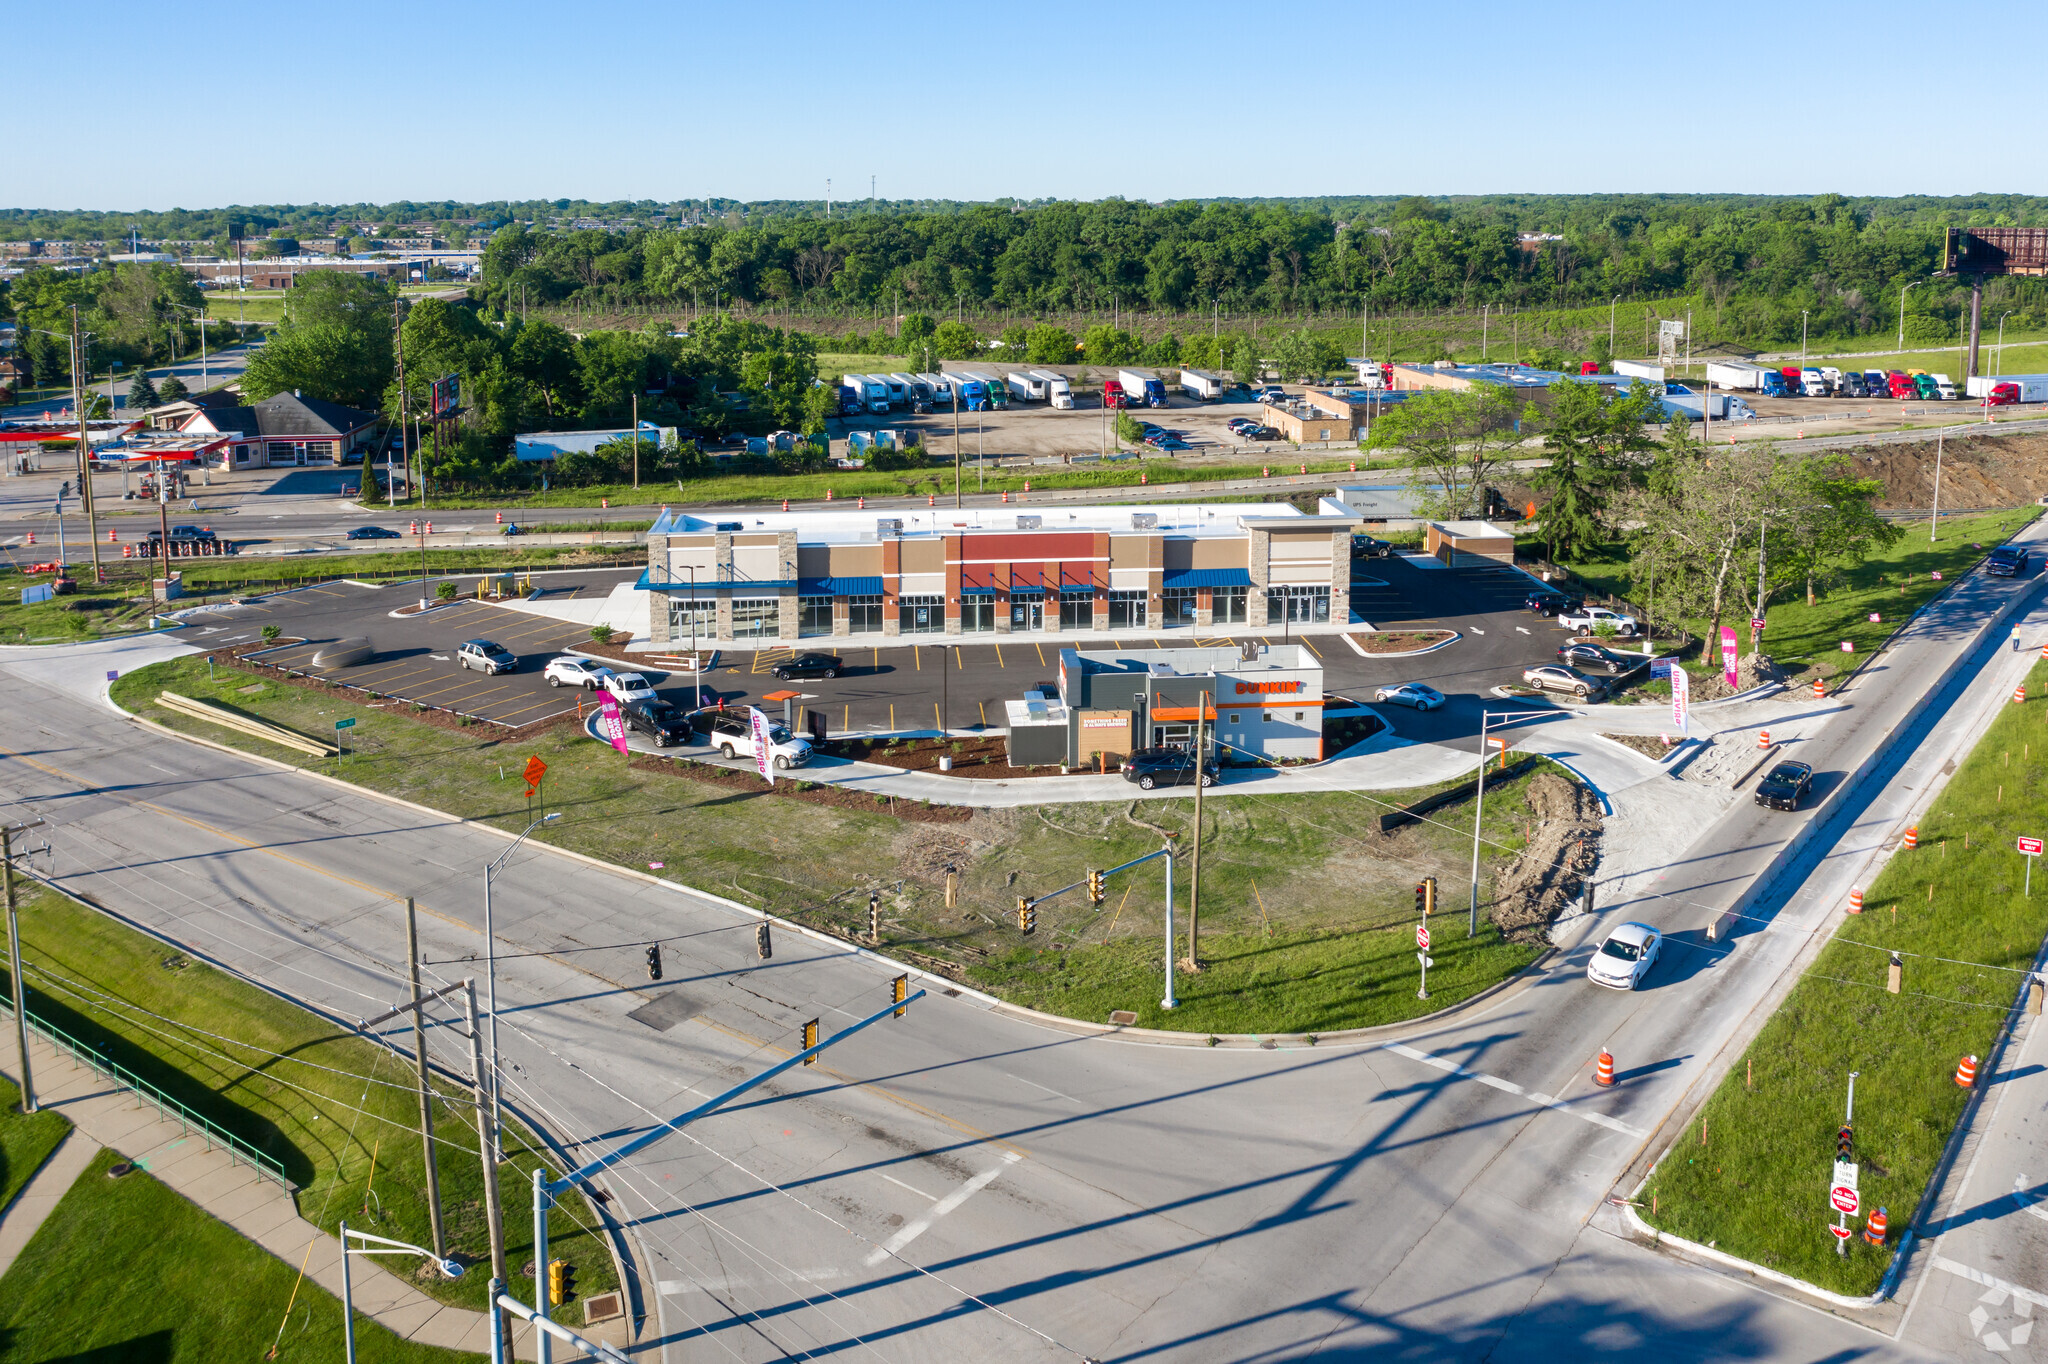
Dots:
pixel 1875 1230
pixel 1763 738
pixel 785 504
pixel 860 504
pixel 1603 1073
pixel 1913 836
pixel 2019 694
pixel 31 537
pixel 112 537
pixel 1855 902
pixel 1966 1073
pixel 1820 690
pixel 500 518
pixel 828 494
pixel 931 499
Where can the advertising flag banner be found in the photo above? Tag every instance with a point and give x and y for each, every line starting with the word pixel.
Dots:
pixel 757 729
pixel 1728 655
pixel 611 724
pixel 1681 698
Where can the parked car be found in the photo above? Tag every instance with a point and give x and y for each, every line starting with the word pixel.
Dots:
pixel 2007 561
pixel 1580 654
pixel 566 671
pixel 1784 786
pixel 1410 694
pixel 1624 960
pixel 1170 443
pixel 658 720
pixel 733 737
pixel 1547 603
pixel 1259 433
pixel 486 656
pixel 1366 547
pixel 1587 619
pixel 1271 393
pixel 807 665
pixel 1150 767
pixel 1238 424
pixel 373 533
pixel 1555 677
pixel 627 686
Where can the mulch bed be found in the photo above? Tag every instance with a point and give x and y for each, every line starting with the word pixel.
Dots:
pixel 1401 641
pixel 1646 744
pixel 981 756
pixel 798 789
pixel 236 656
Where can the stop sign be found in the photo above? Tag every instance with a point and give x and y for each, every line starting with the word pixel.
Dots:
pixel 1844 1199
pixel 1422 936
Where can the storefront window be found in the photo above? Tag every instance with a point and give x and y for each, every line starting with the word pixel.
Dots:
pixel 1177 604
pixel 1077 610
pixel 864 615
pixel 689 619
pixel 1230 605
pixel 814 616
pixel 756 618
pixel 1297 605
pixel 977 614
pixel 922 615
pixel 1127 610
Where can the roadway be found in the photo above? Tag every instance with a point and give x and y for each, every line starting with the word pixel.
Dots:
pixel 968 1181
pixel 197 374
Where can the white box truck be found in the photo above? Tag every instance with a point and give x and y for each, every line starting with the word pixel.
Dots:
pixel 1732 374
pixel 1946 387
pixel 1201 384
pixel 899 389
pixel 873 389
pixel 1025 386
pixel 1057 391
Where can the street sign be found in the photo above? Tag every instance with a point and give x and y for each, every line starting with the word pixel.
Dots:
pixel 1844 1175
pixel 1841 1233
pixel 2030 846
pixel 1422 936
pixel 113 676
pixel 1425 959
pixel 1843 1199
pixel 349 723
pixel 535 770
pixel 1681 698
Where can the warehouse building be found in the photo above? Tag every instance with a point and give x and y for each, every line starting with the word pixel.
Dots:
pixel 1262 703
pixel 1227 568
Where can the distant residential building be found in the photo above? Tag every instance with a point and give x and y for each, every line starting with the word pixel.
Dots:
pixel 286 428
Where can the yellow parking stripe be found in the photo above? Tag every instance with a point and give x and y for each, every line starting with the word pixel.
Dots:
pixel 999 656
pixel 1310 647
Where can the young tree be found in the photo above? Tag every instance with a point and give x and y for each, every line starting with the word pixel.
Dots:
pixel 1015 341
pixel 1597 442
pixel 915 334
pixel 1046 344
pixel 820 401
pixel 955 341
pixel 171 390
pixel 1456 440
pixel 1694 536
pixel 1244 360
pixel 1107 345
pixel 142 394
pixel 1828 522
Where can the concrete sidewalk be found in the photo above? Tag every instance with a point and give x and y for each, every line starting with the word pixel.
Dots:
pixel 104 1114
pixel 45 1189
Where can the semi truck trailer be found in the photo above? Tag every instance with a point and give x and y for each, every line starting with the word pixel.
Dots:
pixel 1057 391
pixel 1201 384
pixel 1141 387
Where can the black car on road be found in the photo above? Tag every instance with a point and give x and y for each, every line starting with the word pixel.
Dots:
pixel 658 720
pixel 1552 603
pixel 1586 656
pixel 373 533
pixel 807 665
pixel 1169 766
pixel 2007 561
pixel 1784 786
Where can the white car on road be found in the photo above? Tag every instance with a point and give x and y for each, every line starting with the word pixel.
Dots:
pixel 626 687
pixel 568 671
pixel 1590 619
pixel 1624 960
pixel 1411 694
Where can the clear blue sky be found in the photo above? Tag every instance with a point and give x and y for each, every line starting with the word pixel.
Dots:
pixel 156 106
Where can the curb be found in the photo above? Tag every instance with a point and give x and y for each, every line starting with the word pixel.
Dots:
pixel 1721 1258
pixel 1405 653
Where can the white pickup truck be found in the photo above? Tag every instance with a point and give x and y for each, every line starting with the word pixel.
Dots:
pixel 730 734
pixel 1592 619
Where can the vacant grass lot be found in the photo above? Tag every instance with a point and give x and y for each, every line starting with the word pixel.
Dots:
pixel 340 1114
pixel 1336 895
pixel 1757 1185
pixel 126 1270
pixel 1893 584
pixel 26 1140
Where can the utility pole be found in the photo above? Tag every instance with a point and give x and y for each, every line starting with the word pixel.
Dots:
pixel 954 389
pixel 28 1089
pixel 404 403
pixel 636 437
pixel 419 1051
pixel 1934 522
pixel 92 525
pixel 1478 807
pixel 493 1210
pixel 1194 962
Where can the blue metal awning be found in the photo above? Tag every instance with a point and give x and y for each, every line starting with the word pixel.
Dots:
pixel 647 583
pixel 977 592
pixel 840 587
pixel 1208 577
pixel 1033 591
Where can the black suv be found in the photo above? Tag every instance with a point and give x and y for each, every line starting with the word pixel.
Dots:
pixel 1785 786
pixel 807 665
pixel 1585 656
pixel 2007 561
pixel 658 720
pixel 1552 603
pixel 1366 547
pixel 1172 766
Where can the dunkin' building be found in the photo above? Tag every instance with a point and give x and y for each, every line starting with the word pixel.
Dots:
pixel 1255 702
pixel 854 576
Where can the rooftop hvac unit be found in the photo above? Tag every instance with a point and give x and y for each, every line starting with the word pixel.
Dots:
pixel 889 526
pixel 1144 520
pixel 728 527
pixel 1030 522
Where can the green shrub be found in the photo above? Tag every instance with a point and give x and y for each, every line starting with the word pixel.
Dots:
pixel 270 634
pixel 445 592
pixel 601 633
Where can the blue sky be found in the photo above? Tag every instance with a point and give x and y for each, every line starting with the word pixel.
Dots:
pixel 156 106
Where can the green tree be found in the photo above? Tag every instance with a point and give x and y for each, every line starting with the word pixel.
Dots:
pixel 612 366
pixel 1244 360
pixel 1046 344
pixel 142 394
pixel 1828 522
pixel 1129 430
pixel 915 334
pixel 545 357
pixel 1456 440
pixel 171 390
pixel 329 362
pixel 1015 341
pixel 1597 441
pixel 955 341
pixel 1107 345
pixel 820 402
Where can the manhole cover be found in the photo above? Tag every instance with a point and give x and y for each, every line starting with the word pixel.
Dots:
pixel 1122 1018
pixel 119 1168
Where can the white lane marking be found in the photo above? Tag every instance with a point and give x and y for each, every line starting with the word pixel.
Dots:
pixel 726 1283
pixel 939 1209
pixel 1475 630
pixel 1521 630
pixel 1035 1085
pixel 1978 1276
pixel 1510 1087
pixel 2027 1202
pixel 919 1192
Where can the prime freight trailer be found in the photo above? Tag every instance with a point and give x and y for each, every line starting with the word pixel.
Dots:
pixel 1725 407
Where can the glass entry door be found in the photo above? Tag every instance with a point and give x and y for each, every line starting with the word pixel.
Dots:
pixel 1027 613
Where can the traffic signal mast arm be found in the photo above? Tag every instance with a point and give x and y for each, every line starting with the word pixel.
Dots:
pixel 1084 884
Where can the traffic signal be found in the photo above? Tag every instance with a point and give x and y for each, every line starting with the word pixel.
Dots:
pixel 561 1283
pixel 762 944
pixel 654 962
pixel 1425 897
pixel 1027 916
pixel 1845 1144
pixel 810 1040
pixel 1098 888
pixel 899 991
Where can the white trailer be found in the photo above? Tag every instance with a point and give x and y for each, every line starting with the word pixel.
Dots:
pixel 1025 386
pixel 2033 387
pixel 1639 370
pixel 873 390
pixel 1201 384
pixel 1733 374
pixel 1057 390
pixel 899 388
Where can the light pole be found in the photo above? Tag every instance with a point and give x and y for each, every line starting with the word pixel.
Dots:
pixel 1802 338
pixel 449 1269
pixel 491 975
pixel 1478 808
pixel 28 1089
pixel 1610 323
pixel 1902 317
pixel 1998 353
pixel 204 382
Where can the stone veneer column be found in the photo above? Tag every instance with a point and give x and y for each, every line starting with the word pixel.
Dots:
pixel 1258 556
pixel 1340 577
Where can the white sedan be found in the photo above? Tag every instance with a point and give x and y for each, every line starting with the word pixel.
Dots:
pixel 1411 694
pixel 569 671
pixel 1624 960
pixel 626 687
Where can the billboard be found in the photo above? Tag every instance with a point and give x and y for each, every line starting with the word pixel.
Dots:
pixel 447 396
pixel 1995 251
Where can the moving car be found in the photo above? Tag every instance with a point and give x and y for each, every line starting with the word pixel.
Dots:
pixel 658 720
pixel 1366 547
pixel 373 533
pixel 1624 960
pixel 1411 694
pixel 807 665
pixel 1580 654
pixel 192 533
pixel 1549 603
pixel 1784 786
pixel 627 686
pixel 1552 677
pixel 2007 561
pixel 566 671
pixel 1587 619
pixel 730 734
pixel 486 656
pixel 1150 767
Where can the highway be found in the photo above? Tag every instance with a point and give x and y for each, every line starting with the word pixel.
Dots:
pixel 969 1181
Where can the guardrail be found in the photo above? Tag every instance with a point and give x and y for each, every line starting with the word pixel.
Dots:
pixel 166 1107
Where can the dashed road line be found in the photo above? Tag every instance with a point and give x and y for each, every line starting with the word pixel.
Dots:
pixel 912 1230
pixel 1510 1087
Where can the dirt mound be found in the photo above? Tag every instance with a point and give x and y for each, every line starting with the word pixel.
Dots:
pixel 1976 471
pixel 1751 670
pixel 1563 846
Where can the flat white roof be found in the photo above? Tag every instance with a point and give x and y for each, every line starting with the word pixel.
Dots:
pixel 1473 530
pixel 1195 520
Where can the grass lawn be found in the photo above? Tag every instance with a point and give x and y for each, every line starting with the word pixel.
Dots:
pixel 1337 894
pixel 1892 583
pixel 1758 1185
pixel 26 1140
pixel 347 1134
pixel 126 1270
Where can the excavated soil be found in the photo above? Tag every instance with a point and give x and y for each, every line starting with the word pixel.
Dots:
pixel 1545 878
pixel 1976 472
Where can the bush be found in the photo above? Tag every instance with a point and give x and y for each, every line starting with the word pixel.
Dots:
pixel 601 633
pixel 270 633
pixel 445 592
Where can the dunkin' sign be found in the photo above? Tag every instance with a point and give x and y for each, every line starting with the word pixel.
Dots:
pixel 1268 688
